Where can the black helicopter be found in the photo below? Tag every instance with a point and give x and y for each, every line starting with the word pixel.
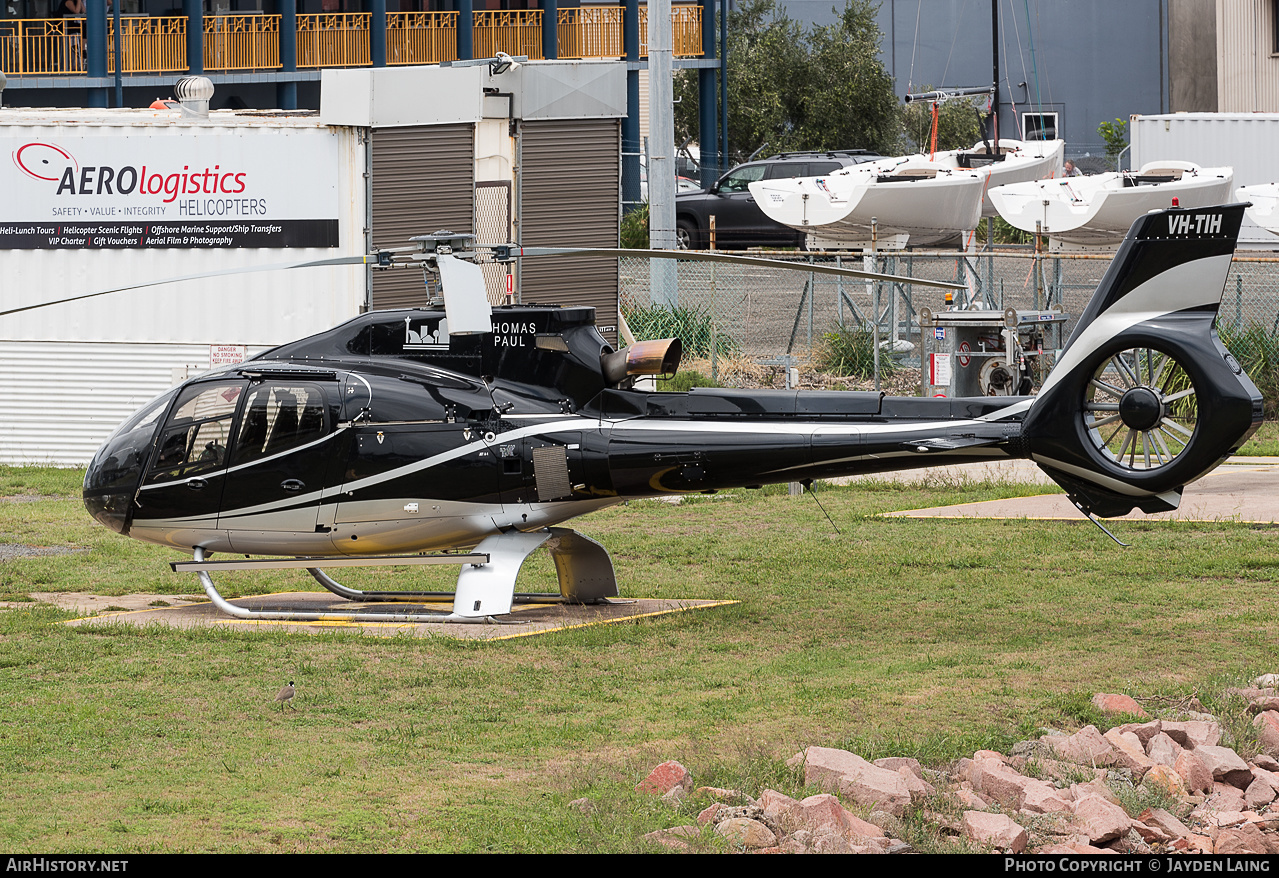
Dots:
pixel 446 429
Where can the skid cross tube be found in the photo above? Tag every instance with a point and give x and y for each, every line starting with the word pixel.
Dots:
pixel 353 594
pixel 202 567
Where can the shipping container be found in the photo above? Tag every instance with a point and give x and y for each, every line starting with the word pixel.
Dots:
pixel 1248 142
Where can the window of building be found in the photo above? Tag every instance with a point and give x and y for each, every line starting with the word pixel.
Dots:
pixel 1039 126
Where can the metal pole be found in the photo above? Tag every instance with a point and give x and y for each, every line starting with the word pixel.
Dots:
pixel 194 11
pixel 994 53
pixel 550 29
pixel 839 292
pixel 286 93
pixel 1238 301
pixel 377 32
pixel 723 86
pixel 1038 260
pixel 874 234
pixel 707 138
pixel 714 332
pixel 631 124
pixel 95 38
pixel 465 30
pixel 812 286
pixel 119 55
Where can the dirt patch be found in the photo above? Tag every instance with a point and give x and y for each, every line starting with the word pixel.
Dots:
pixel 9 551
pixel 79 602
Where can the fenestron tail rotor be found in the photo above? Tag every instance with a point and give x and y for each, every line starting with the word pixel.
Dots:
pixel 1140 409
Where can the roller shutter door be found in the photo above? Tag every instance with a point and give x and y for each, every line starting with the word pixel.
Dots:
pixel 570 192
pixel 423 181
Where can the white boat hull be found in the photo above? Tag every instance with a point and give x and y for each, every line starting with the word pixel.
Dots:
pixel 1024 161
pixel 1097 211
pixel 1265 204
pixel 840 208
pixel 916 198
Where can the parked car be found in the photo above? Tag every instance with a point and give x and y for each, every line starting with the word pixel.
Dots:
pixel 739 223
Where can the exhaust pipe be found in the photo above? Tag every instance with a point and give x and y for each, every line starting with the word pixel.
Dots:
pixel 659 357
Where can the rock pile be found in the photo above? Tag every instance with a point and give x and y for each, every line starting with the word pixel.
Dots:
pixel 1054 795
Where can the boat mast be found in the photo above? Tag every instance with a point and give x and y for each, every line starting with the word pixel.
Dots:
pixel 994 92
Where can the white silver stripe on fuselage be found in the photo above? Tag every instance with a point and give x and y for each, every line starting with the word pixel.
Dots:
pixel 618 428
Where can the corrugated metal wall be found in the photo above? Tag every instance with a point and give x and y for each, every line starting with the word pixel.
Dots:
pixel 63 399
pixel 570 182
pixel 1247 66
pixel 423 181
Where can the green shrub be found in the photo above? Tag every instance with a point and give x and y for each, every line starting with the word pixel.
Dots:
pixel 681 382
pixel 1257 350
pixel 851 352
pixel 692 326
pixel 635 228
pixel 1005 233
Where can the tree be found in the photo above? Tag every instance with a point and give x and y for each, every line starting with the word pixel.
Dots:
pixel 1115 134
pixel 848 95
pixel 796 91
pixel 958 126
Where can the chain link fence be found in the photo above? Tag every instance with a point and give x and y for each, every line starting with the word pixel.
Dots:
pixel 739 323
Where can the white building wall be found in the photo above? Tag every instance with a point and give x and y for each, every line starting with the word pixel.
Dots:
pixel 73 372
pixel 1247 57
pixel 61 399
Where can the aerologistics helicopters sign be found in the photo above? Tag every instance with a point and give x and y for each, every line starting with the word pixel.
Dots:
pixel 231 189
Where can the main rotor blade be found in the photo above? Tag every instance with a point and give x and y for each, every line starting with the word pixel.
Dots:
pixel 700 256
pixel 279 266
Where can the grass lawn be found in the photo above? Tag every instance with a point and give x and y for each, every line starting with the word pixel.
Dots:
pixel 1264 443
pixel 926 637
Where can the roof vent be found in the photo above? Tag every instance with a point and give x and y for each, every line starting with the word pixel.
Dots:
pixel 194 93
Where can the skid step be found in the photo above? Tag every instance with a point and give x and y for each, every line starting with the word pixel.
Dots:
pixel 339 561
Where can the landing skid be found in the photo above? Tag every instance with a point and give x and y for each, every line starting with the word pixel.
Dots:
pixel 485 584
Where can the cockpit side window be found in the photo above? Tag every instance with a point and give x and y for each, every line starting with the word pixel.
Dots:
pixel 278 417
pixel 196 437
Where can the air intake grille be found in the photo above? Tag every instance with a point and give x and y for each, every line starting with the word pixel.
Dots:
pixel 550 469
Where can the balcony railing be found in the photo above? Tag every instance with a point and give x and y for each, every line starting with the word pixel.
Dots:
pixel 515 32
pixel 333 39
pixel 686 30
pixel 252 42
pixel 421 37
pixel 591 32
pixel 242 42
pixel 149 45
pixel 596 31
pixel 38 45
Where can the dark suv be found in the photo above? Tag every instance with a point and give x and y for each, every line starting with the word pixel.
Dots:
pixel 739 223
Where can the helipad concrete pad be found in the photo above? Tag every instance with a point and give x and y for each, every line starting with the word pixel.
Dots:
pixel 527 618
pixel 1245 490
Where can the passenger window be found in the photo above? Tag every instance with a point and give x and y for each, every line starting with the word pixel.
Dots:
pixel 786 170
pixel 277 418
pixel 196 437
pixel 739 180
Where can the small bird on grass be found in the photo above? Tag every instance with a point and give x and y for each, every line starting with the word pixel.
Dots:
pixel 286 696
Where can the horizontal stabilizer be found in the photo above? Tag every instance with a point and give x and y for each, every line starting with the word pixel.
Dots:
pixel 951 443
